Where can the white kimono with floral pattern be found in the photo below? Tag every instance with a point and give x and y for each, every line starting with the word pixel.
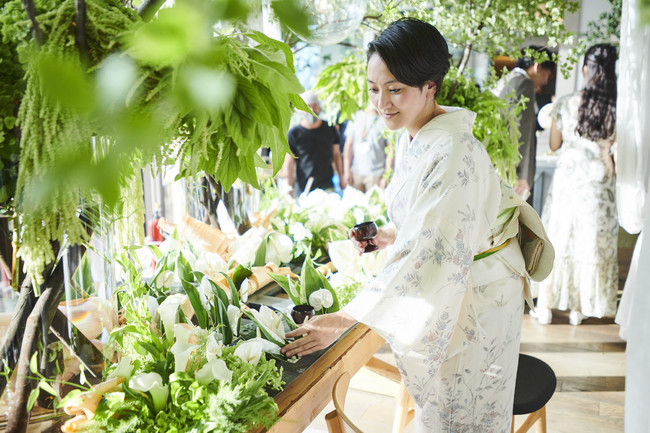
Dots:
pixel 453 324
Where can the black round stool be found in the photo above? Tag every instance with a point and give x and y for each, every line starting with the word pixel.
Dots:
pixel 534 387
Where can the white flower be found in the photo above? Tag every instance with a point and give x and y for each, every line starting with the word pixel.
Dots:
pixel 278 224
pixel 152 305
pixel 210 264
pixel 299 232
pixel 314 199
pixel 215 369
pixel 234 314
pixel 205 292
pixel 359 215
pixel 123 369
pixel 267 346
pixel 249 351
pixel 245 247
pixel 318 221
pixel 170 244
pixel 165 279
pixel 321 299
pixel 190 257
pixel 186 343
pixel 243 290
pixel 167 312
pixel 353 197
pixel 279 249
pixel 271 321
pixel 345 257
pixel 153 384
pixel 213 348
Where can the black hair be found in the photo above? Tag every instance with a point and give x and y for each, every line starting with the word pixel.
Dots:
pixel 525 62
pixel 414 52
pixel 597 112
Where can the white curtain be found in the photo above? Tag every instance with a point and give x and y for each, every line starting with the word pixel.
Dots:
pixel 633 126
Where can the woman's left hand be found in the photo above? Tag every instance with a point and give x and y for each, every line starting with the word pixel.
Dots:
pixel 318 333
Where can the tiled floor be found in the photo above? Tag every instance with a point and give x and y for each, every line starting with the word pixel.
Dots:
pixel 588 360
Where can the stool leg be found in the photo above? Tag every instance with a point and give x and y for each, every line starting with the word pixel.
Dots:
pixel 402 410
pixel 540 426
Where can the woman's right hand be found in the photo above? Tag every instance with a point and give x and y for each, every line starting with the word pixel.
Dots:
pixel 385 237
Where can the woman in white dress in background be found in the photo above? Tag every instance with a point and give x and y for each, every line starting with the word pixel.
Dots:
pixel 580 211
pixel 450 299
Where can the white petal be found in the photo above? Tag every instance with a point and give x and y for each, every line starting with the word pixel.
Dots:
pixel 124 369
pixel 345 257
pixel 167 312
pixel 249 351
pixel 234 314
pixel 165 279
pixel 214 369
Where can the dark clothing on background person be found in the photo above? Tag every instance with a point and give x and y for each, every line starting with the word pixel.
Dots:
pixel 517 81
pixel 313 149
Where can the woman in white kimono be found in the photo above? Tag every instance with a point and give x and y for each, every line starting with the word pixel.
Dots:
pixel 450 300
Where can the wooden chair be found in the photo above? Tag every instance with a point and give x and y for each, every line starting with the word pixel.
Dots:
pixel 534 387
pixel 338 422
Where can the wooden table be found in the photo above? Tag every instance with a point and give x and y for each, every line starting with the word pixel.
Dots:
pixel 305 397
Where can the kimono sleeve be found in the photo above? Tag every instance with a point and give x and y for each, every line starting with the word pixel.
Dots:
pixel 416 302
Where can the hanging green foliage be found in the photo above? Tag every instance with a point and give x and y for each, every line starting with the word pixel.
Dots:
pixel 206 102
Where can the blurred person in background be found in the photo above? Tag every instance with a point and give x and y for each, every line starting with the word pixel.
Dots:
pixel 368 154
pixel 580 211
pixel 527 78
pixel 315 145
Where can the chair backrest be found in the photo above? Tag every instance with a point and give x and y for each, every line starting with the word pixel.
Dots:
pixel 337 420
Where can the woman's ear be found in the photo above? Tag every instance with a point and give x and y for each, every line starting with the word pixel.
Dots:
pixel 431 88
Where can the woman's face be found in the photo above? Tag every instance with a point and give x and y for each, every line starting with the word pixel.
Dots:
pixel 400 106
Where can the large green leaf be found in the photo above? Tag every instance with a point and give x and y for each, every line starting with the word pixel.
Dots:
pixel 195 300
pixel 228 169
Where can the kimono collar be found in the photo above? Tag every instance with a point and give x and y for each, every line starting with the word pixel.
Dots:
pixel 455 120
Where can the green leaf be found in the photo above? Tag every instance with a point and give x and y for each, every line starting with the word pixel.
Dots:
pixel 309 280
pixel 265 40
pixel 260 255
pixel 33 363
pixel 183 269
pixel 240 273
pixel 285 282
pixel 195 300
pixel 64 81
pixel 156 251
pixel 32 398
pixel 226 327
pixel 48 388
pixel 234 296
pixel 291 15
pixel 228 169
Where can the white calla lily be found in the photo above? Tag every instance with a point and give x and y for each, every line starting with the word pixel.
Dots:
pixel 152 305
pixel 167 312
pixel 165 279
pixel 359 215
pixel 314 199
pixel 245 247
pixel 153 384
pixel 205 292
pixel 214 369
pixel 213 348
pixel 249 351
pixel 321 298
pixel 123 369
pixel 279 249
pixel 210 263
pixel 318 221
pixel 271 321
pixel 353 197
pixel 345 257
pixel 186 343
pixel 234 314
pixel 244 287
